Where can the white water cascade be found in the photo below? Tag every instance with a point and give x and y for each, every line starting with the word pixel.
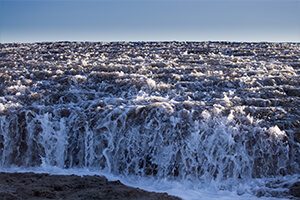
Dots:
pixel 168 121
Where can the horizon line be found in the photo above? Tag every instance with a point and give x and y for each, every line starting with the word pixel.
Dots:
pixel 137 41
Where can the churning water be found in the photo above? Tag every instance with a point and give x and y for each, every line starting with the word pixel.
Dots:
pixel 181 117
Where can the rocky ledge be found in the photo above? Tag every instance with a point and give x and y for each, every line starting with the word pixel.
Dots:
pixel 19 186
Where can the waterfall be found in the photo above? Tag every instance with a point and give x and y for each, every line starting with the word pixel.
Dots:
pixel 162 110
pixel 159 139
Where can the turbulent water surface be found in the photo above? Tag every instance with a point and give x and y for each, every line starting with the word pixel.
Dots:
pixel 211 113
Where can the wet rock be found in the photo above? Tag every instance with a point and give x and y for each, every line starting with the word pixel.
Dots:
pixel 295 189
pixel 159 65
pixel 44 186
pixel 294 92
pixel 65 113
pixel 9 196
pixel 297 136
pixel 199 51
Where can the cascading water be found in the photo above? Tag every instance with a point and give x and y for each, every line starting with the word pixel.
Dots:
pixel 164 117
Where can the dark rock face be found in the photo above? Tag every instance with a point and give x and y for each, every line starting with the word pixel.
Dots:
pixel 14 186
pixel 211 110
pixel 295 189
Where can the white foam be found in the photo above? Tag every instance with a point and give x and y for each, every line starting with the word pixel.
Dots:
pixel 2 107
pixel 275 130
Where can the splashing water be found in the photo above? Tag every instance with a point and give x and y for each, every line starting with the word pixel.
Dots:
pixel 198 131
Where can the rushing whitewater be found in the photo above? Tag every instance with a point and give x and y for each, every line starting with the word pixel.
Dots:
pixel 205 112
